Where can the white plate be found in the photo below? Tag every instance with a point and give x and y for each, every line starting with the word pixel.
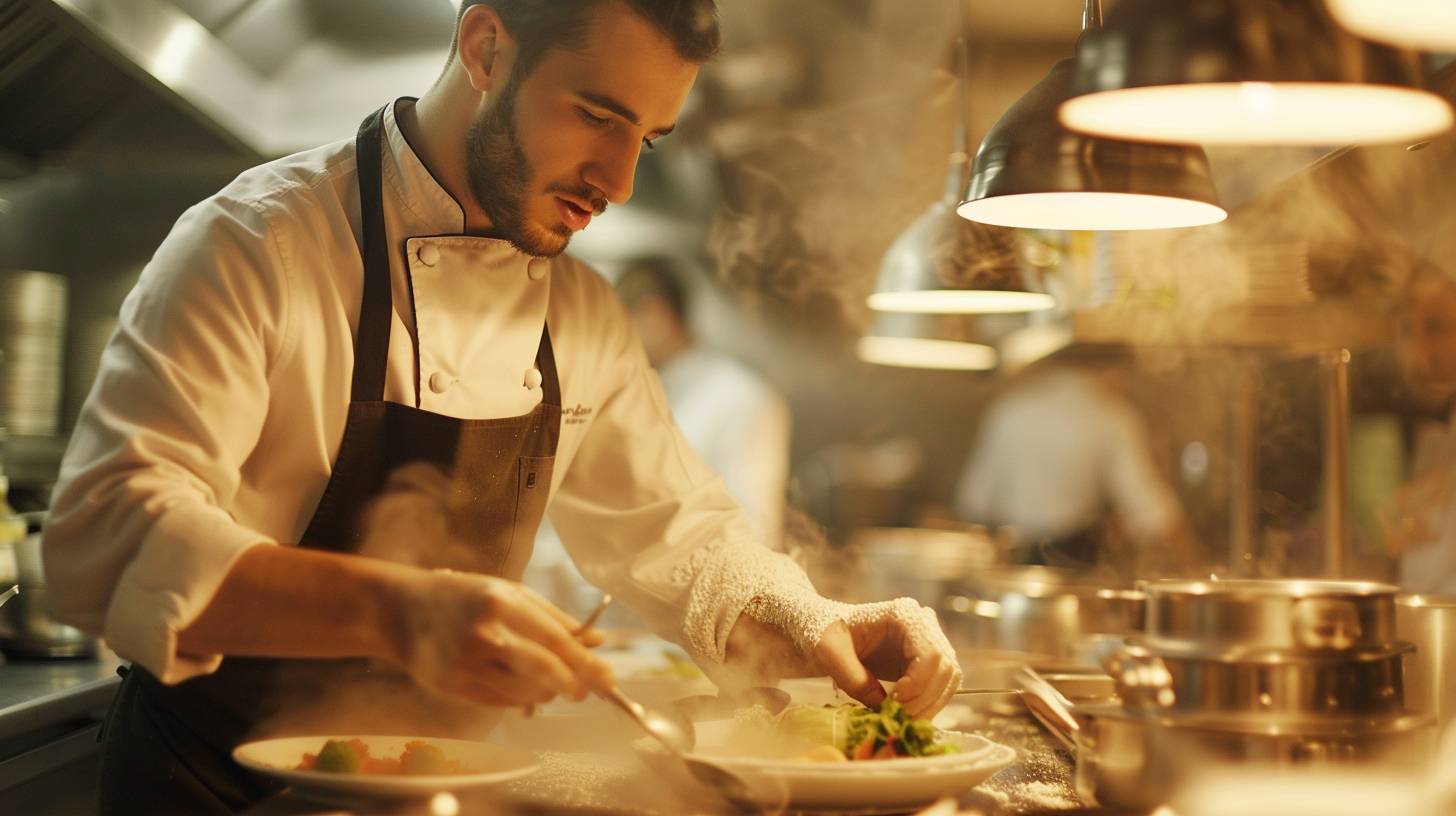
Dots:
pixel 887 784
pixel 279 758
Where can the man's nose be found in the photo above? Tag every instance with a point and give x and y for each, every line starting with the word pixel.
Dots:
pixel 614 174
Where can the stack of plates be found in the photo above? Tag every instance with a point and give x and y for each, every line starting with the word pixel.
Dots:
pixel 32 340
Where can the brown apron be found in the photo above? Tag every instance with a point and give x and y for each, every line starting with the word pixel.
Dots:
pixel 166 748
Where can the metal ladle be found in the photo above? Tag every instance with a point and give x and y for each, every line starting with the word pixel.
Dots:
pixel 677 737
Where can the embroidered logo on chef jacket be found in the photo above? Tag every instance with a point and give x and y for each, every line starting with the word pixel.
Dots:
pixel 576 415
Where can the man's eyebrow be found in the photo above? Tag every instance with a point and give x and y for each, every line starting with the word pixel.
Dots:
pixel 602 100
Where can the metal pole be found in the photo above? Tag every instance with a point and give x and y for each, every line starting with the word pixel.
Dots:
pixel 1337 458
pixel 1244 473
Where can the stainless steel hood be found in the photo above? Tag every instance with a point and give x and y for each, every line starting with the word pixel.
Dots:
pixel 246 78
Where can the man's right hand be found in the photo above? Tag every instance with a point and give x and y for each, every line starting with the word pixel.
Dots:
pixel 492 641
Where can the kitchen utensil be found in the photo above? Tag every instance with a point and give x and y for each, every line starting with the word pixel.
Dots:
pixel 1255 615
pixel 1039 609
pixel 9 593
pixel 677 736
pixel 31 630
pixel 278 759
pixel 1366 682
pixel 1133 760
pixel 1429 622
pixel 595 615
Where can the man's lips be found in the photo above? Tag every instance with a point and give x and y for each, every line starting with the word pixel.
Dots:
pixel 573 215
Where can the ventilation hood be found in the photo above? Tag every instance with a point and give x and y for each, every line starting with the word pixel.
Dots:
pixel 248 79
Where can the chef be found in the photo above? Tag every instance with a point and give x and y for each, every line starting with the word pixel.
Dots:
pixel 391 316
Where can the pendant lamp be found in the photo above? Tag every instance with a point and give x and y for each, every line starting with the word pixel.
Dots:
pixel 1031 172
pixel 1426 24
pixel 931 341
pixel 944 264
pixel 1246 72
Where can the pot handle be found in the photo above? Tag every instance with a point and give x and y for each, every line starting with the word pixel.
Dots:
pixel 1143 680
pixel 1049 706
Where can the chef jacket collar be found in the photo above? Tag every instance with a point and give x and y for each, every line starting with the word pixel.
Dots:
pixel 426 208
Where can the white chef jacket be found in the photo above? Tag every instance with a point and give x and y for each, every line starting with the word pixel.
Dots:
pixel 1054 453
pixel 738 424
pixel 220 404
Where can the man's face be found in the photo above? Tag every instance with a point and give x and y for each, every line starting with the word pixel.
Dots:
pixel 555 147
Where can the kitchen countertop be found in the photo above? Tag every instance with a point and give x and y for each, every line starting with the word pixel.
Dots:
pixel 39 693
pixel 1039 782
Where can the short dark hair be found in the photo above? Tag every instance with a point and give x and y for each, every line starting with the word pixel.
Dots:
pixel 538 26
pixel 653 276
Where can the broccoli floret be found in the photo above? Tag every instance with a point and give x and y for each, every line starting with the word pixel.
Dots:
pixel 338 756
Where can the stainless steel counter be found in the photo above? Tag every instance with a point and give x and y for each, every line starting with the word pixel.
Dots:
pixel 42 693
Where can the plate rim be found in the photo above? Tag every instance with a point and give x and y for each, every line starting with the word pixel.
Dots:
pixel 946 763
pixel 385 784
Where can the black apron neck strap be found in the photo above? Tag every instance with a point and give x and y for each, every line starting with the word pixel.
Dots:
pixel 371 349
pixel 546 363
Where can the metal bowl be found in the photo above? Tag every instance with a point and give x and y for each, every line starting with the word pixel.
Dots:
pixel 1257 616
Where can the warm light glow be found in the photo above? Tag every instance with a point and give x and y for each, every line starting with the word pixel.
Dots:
pixel 911 352
pixel 1261 113
pixel 176 51
pixel 1427 24
pixel 961 301
pixel 1091 211
pixel 444 804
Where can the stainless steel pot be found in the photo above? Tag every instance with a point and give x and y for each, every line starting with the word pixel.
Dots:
pixel 30 629
pixel 1040 609
pixel 1255 616
pixel 1429 622
pixel 1280 684
pixel 1137 761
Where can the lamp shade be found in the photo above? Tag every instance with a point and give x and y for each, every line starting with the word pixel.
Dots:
pixel 945 264
pixel 1428 24
pixel 1032 172
pixel 1246 72
pixel 933 341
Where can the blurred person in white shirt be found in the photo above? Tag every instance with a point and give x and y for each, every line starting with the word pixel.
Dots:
pixel 1062 462
pixel 729 413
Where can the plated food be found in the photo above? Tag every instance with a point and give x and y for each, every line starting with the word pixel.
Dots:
pixel 419 758
pixel 353 768
pixel 835 733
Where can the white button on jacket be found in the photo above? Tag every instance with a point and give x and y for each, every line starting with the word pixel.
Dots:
pixel 220 405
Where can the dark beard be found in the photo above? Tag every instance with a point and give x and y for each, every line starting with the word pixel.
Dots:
pixel 499 174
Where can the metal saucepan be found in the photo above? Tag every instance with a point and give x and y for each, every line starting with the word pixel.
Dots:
pixel 1261 615
pixel 1368 683
pixel 1125 759
pixel 1041 609
pixel 1430 672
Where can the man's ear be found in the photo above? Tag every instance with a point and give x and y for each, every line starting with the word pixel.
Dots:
pixel 484 47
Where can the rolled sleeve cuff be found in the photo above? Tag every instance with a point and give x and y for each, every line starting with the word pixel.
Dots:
pixel 766 585
pixel 176 573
